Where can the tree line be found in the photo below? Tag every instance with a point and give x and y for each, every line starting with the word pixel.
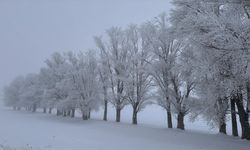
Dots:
pixel 193 61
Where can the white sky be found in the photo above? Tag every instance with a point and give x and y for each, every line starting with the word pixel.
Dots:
pixel 31 30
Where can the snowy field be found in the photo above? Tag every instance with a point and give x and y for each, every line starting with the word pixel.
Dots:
pixel 38 131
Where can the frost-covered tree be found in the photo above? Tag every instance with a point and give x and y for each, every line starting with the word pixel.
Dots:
pixel 31 92
pixel 47 81
pixel 157 34
pixel 221 31
pixel 117 55
pixel 182 81
pixel 81 82
pixel 11 93
pixel 139 81
pixel 104 71
pixel 54 73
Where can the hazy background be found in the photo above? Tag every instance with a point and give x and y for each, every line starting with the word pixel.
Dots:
pixel 30 30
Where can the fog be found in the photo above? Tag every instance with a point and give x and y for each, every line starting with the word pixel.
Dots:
pixel 30 30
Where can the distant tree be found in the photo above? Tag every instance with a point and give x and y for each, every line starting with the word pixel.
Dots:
pixel 31 92
pixel 103 69
pixel 81 82
pixel 11 93
pixel 53 75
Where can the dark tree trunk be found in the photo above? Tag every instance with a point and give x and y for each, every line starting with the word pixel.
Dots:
pixel 248 99
pixel 169 115
pixel 105 115
pixel 64 113
pixel 34 108
pixel 72 113
pixel 14 107
pixel 222 115
pixel 50 110
pixel 85 116
pixel 233 118
pixel 180 121
pixel 243 117
pixel 223 127
pixel 134 118
pixel 89 114
pixel 44 110
pixel 118 114
pixel 247 116
pixel 58 112
pixel 248 94
pixel 68 113
pixel 18 108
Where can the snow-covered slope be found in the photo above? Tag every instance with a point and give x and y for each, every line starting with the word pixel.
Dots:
pixel 48 132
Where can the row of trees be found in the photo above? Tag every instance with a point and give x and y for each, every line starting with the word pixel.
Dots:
pixel 195 61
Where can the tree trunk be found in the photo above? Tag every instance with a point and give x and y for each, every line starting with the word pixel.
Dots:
pixel 243 117
pixel 169 115
pixel 180 121
pixel 34 108
pixel 222 115
pixel 64 113
pixel 44 110
pixel 248 95
pixel 233 118
pixel 248 99
pixel 69 113
pixel 89 114
pixel 85 116
pixel 134 118
pixel 223 127
pixel 105 115
pixel 50 110
pixel 72 113
pixel 118 114
pixel 58 112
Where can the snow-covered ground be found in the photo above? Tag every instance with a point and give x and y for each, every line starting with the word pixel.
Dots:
pixel 39 131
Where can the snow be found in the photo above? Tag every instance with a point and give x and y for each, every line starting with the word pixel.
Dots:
pixel 26 130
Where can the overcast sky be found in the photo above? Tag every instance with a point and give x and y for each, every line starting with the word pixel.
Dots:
pixel 31 30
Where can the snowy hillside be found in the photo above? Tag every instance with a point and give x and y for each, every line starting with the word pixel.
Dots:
pixel 48 132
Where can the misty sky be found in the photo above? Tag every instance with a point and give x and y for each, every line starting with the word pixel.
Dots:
pixel 31 30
